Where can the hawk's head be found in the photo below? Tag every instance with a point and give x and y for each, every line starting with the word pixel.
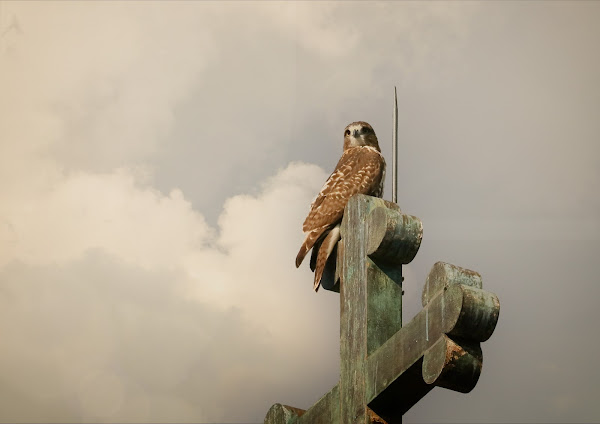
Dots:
pixel 360 134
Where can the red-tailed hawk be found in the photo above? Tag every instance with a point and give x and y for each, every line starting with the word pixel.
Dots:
pixel 361 169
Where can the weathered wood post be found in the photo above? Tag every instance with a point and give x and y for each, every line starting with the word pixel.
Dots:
pixel 387 368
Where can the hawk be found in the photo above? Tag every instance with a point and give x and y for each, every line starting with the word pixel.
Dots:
pixel 361 169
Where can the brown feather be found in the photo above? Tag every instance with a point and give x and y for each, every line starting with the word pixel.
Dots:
pixel 361 169
pixel 309 241
pixel 325 250
pixel 313 255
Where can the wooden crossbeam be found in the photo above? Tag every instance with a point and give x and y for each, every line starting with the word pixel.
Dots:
pixel 387 368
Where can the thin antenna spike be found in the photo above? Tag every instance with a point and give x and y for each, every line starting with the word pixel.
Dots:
pixel 395 151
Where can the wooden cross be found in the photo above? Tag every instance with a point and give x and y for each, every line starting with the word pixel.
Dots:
pixel 387 368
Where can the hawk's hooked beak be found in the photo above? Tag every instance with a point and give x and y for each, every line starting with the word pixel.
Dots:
pixel 354 133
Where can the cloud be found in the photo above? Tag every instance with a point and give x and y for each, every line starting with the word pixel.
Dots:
pixel 119 301
pixel 107 211
pixel 122 313
pixel 107 341
pixel 154 173
pixel 106 93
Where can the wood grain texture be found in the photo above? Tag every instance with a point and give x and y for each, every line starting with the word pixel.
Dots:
pixel 353 315
pixel 387 368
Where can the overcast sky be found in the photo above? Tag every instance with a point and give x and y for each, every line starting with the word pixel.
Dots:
pixel 157 160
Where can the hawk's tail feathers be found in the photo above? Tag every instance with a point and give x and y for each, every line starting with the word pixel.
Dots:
pixel 309 241
pixel 315 250
pixel 324 252
pixel 301 254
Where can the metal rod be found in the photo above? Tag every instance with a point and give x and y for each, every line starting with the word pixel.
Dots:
pixel 395 151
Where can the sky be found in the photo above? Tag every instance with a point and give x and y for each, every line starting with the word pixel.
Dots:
pixel 157 160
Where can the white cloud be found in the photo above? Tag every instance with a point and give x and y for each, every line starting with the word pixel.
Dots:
pixel 118 302
pixel 106 211
pixel 134 307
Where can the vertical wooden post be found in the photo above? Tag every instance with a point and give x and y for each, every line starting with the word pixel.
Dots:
pixel 370 302
pixel 353 317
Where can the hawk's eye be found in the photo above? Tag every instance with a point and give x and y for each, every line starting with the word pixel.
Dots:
pixel 347 132
pixel 365 130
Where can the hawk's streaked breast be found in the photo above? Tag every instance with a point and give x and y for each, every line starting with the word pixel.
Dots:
pixel 361 169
